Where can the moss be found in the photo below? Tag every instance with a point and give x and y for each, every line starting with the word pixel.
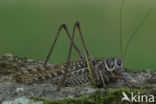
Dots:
pixel 111 96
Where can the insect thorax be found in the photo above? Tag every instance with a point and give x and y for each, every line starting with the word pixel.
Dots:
pixel 104 69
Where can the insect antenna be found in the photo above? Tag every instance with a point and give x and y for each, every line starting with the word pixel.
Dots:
pixel 121 10
pixel 134 32
pixel 123 54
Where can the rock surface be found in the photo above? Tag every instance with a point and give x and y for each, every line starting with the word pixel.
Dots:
pixel 10 65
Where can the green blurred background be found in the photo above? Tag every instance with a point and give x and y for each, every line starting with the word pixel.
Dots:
pixel 27 28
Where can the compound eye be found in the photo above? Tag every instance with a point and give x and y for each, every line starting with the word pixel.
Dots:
pixel 118 61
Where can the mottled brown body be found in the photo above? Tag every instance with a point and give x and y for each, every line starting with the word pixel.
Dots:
pixel 48 73
pixel 77 74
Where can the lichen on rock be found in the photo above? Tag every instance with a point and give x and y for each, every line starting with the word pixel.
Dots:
pixel 47 93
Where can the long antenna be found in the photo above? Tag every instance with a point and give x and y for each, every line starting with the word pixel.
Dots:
pixel 134 33
pixel 121 10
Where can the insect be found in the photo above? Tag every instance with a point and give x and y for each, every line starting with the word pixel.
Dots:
pixel 86 70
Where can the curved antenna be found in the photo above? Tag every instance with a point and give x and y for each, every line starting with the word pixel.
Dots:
pixel 134 33
pixel 121 10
